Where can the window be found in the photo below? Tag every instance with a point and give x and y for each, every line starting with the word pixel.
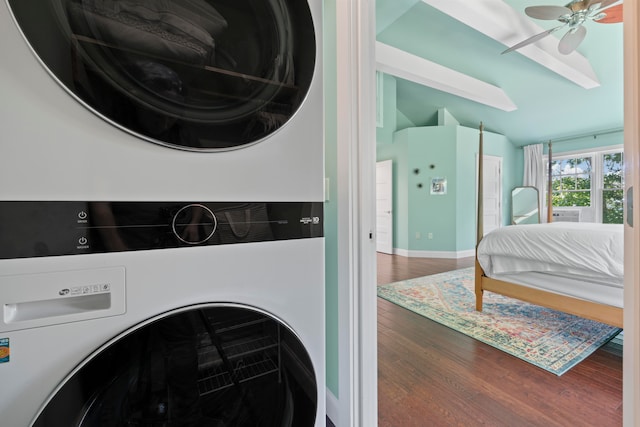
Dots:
pixel 592 182
pixel 612 188
pixel 571 181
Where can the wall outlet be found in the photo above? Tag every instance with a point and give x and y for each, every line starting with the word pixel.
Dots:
pixel 418 235
pixel 430 236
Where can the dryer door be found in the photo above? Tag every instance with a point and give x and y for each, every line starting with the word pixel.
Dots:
pixel 208 365
pixel 191 74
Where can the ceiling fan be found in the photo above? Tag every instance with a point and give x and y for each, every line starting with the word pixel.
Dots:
pixel 572 16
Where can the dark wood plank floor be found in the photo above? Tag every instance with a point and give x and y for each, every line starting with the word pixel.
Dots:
pixel 430 375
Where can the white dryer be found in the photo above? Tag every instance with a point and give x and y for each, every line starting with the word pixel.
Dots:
pixel 161 249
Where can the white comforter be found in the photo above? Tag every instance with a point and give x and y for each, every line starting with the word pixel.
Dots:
pixel 583 251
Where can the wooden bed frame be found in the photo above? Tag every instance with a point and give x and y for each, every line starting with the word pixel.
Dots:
pixel 587 309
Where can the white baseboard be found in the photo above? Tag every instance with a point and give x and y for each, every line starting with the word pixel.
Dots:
pixel 434 254
pixel 333 408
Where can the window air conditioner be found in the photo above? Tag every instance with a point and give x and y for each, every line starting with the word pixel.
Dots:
pixel 572 215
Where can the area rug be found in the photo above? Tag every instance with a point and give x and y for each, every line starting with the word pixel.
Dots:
pixel 549 339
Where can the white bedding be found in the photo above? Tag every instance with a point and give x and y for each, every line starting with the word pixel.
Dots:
pixel 584 252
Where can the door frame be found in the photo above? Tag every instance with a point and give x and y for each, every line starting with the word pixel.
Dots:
pixel 356 156
pixel 356 21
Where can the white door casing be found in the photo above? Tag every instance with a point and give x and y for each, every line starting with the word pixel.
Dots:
pixel 357 340
pixel 384 206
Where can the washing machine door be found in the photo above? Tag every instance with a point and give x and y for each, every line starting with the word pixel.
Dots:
pixel 206 365
pixel 191 74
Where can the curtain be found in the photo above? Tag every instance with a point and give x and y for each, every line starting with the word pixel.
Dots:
pixel 534 173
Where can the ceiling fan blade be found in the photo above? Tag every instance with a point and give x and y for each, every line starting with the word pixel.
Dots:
pixel 604 4
pixel 589 3
pixel 572 40
pixel 546 12
pixel 613 15
pixel 533 39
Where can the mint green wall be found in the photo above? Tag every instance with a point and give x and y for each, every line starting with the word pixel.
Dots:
pixel 467 142
pixel 331 208
pixel 393 119
pixel 402 122
pixel 431 213
pixel 449 218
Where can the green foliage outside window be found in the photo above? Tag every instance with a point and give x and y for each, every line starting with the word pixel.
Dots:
pixel 571 182
pixel 612 189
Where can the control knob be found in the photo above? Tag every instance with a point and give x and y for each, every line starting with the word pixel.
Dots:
pixel 194 224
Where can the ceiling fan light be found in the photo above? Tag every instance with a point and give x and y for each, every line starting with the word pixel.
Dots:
pixel 577 6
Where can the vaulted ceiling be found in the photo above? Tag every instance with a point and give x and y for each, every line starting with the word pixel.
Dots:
pixel 531 95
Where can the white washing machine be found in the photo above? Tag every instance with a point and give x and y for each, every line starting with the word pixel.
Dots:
pixel 161 227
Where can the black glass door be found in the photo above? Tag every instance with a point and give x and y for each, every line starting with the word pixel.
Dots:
pixel 191 74
pixel 209 365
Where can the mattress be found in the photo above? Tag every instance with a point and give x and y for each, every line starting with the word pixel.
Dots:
pixel 584 260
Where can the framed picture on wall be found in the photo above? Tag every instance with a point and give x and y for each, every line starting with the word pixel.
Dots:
pixel 438 186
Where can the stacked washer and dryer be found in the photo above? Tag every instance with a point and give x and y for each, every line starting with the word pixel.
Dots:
pixel 161 213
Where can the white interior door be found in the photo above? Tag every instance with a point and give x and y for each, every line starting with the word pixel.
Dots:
pixel 492 190
pixel 384 206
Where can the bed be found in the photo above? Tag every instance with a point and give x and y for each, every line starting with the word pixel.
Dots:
pixel 576 268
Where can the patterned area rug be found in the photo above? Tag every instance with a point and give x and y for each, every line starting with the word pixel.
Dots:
pixel 547 338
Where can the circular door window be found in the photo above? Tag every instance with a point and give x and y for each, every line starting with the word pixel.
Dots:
pixel 208 365
pixel 192 74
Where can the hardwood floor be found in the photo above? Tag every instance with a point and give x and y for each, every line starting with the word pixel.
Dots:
pixel 430 375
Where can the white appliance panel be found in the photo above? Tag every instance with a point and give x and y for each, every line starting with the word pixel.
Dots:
pixel 55 149
pixel 42 357
pixel 73 154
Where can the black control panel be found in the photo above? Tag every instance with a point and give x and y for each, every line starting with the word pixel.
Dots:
pixel 51 228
